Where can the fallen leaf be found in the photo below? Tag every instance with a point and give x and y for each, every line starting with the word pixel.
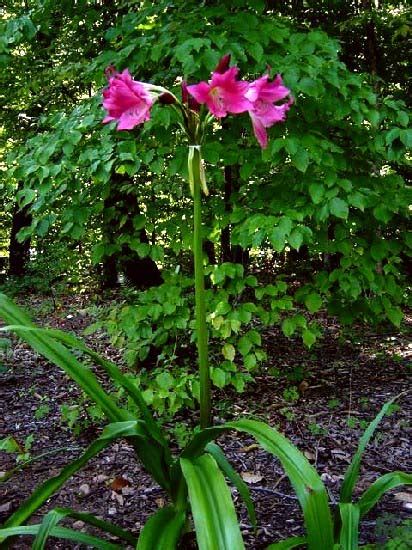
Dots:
pixel 160 502
pixel 119 483
pixel 249 448
pixel 250 477
pixel 309 455
pixel 404 497
pixel 118 498
pixel 303 386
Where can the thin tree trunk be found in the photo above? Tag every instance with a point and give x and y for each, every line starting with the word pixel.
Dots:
pixel 229 252
pixel 19 252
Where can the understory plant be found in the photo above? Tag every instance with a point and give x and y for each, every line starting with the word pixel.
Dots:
pixel 194 479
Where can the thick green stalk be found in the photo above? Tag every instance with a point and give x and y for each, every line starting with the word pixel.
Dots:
pixel 195 174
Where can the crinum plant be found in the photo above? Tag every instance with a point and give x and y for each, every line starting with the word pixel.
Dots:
pixel 195 479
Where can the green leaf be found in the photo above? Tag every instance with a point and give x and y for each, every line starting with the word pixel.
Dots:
pixel 29 196
pixel 277 238
pixel 352 473
pixel 218 377
pixel 357 200
pixel 406 137
pixel 256 50
pixel 228 352
pixel 296 238
pixel 301 160
pixel 250 361
pixel 50 520
pixel 349 530
pixel 288 326
pixel 306 482
pixel 61 533
pixel 162 530
pixel 392 135
pixel 316 191
pixel 234 478
pixel 244 345
pixel 287 544
pixel 382 213
pixel 379 487
pixel 395 315
pixel 379 250
pixel 9 445
pixel 339 208
pixel 313 302
pixel 403 118
pixel 212 507
pixel 308 337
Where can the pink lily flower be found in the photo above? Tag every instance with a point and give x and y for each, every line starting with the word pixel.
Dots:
pixel 127 101
pixel 223 94
pixel 263 94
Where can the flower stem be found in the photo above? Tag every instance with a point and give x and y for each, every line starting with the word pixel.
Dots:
pixel 200 306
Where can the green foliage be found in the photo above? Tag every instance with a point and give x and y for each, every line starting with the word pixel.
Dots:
pixel 331 180
pixel 155 330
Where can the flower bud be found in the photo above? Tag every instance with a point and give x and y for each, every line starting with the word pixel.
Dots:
pixel 166 99
pixel 223 64
pixel 110 71
pixel 185 95
pixel 189 100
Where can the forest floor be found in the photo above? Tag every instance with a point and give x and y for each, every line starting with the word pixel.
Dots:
pixel 343 382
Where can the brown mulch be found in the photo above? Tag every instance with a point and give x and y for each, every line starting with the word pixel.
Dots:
pixel 342 381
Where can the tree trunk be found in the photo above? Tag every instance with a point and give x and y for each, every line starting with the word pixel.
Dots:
pixel 140 272
pixel 19 252
pixel 229 252
pixel 371 46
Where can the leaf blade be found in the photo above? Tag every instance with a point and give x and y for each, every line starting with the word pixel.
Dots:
pixel 352 473
pixel 234 478
pixel 212 506
pixel 162 530
pixel 349 514
pixel 379 487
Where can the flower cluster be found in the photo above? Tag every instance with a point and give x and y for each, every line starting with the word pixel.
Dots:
pixel 129 101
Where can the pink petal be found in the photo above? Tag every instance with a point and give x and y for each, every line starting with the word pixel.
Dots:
pixel 127 101
pixel 200 92
pixel 260 131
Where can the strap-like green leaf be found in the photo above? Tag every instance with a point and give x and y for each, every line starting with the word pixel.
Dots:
pixel 50 520
pixel 349 514
pixel 60 356
pixel 49 487
pixel 212 507
pixel 308 486
pixel 61 533
pixel 234 478
pixel 379 487
pixel 54 516
pixel 352 473
pixel 162 531
pixel 287 544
